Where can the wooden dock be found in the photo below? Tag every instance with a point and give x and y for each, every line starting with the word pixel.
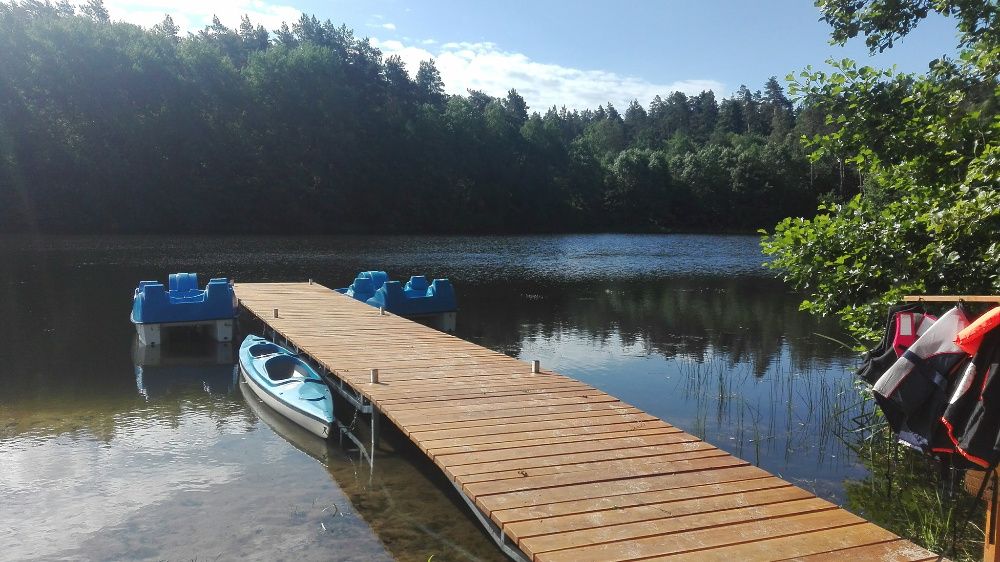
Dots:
pixel 557 470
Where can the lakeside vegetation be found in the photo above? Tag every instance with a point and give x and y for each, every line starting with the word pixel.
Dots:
pixel 912 495
pixel 109 127
pixel 927 148
pixel 925 221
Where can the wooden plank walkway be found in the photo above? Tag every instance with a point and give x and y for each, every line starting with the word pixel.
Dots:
pixel 565 471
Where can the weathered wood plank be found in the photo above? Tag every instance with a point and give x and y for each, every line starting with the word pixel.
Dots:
pixel 551 464
pixel 543 437
pixel 893 550
pixel 621 487
pixel 627 471
pixel 579 466
pixel 651 506
pixel 806 543
pixel 595 506
pixel 716 520
pixel 546 450
pixel 537 426
pixel 703 540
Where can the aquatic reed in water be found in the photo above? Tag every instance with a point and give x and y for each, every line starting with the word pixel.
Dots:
pixel 777 419
pixel 796 420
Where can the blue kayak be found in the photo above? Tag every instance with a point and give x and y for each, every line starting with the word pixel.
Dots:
pixel 287 384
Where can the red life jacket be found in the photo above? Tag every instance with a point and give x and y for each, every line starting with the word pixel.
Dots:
pixel 909 327
pixel 878 360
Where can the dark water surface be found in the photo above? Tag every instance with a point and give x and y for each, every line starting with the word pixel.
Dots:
pixel 113 452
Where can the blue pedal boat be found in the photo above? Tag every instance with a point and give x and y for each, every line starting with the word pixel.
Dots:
pixel 416 298
pixel 287 384
pixel 182 303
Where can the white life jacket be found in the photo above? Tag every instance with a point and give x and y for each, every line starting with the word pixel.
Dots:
pixel 913 392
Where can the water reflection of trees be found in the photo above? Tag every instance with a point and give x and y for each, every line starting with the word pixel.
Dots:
pixel 746 320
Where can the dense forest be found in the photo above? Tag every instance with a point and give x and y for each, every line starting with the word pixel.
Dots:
pixel 109 127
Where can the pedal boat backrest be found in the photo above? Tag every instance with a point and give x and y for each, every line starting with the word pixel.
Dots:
pixel 416 287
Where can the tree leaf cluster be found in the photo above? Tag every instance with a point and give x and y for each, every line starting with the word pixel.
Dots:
pixel 925 147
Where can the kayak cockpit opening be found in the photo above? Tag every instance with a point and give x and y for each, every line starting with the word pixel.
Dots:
pixel 285 367
pixel 261 349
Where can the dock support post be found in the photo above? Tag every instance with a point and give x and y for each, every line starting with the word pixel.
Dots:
pixel 275 312
pixel 536 366
pixel 376 429
pixel 375 415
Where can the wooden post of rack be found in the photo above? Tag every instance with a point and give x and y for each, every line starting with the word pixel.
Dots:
pixel 974 478
pixel 973 481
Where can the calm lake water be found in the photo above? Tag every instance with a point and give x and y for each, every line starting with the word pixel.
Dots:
pixel 112 452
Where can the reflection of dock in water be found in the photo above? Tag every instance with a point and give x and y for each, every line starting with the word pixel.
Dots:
pixel 554 469
pixel 399 499
pixel 207 365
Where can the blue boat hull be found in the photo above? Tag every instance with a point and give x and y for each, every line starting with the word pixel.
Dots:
pixel 416 298
pixel 287 384
pixel 152 303
pixel 182 303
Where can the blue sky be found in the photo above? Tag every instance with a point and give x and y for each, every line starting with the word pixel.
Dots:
pixel 581 53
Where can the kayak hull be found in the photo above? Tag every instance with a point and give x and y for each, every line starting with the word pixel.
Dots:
pixel 315 414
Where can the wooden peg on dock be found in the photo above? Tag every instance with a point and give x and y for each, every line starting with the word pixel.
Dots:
pixel 536 366
pixel 275 312
pixel 374 376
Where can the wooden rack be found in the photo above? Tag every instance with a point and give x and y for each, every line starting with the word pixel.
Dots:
pixel 974 478
pixel 952 298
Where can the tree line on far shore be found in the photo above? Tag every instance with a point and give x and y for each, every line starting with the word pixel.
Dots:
pixel 110 127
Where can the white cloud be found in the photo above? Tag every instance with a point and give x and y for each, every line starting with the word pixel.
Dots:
pixel 192 15
pixel 484 66
pixel 410 55
pixel 477 66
